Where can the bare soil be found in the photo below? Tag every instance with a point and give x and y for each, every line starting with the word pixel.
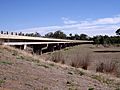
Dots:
pixel 22 71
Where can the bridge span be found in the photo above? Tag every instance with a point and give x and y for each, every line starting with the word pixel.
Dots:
pixel 39 44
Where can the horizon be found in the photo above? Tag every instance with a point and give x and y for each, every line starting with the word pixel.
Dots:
pixel 76 17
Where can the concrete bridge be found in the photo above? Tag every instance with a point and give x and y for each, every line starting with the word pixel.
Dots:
pixel 38 45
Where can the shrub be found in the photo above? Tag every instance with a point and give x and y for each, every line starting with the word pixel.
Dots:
pixel 6 63
pixel 117 89
pixel 99 67
pixel 110 66
pixel 79 60
pixel 70 73
pixel 84 62
pixel 1 82
pixel 43 65
pixel 91 88
pixel 14 53
pixel 107 66
pixel 20 57
pixel 58 57
pixel 102 79
pixel 81 73
pixel 74 63
pixel 118 71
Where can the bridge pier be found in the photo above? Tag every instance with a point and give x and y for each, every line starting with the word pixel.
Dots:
pixel 21 47
pixel 63 46
pixel 38 49
pixel 67 44
pixel 25 47
pixel 50 47
pixel 58 46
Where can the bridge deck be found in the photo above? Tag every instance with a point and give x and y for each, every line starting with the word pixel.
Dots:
pixel 31 43
pixel 16 37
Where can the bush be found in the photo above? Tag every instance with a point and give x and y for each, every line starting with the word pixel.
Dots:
pixel 91 88
pixel 117 89
pixel 5 63
pixel 74 63
pixel 110 66
pixel 107 66
pixel 80 61
pixel 99 67
pixel 58 57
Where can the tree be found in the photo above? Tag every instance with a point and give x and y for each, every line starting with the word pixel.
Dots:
pixel 105 40
pixel 118 32
pixel 83 37
pixel 49 35
pixel 97 40
pixel 20 34
pixel 11 33
pixel 70 34
pixel 59 34
pixel 1 32
pixel 7 32
pixel 16 33
pixel 76 37
pixel 37 34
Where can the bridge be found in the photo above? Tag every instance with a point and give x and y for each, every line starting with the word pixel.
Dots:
pixel 38 45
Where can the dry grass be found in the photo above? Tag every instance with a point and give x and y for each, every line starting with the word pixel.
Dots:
pixel 32 75
pixel 75 58
pixel 84 57
pixel 82 61
pixel 58 57
pixel 99 67
pixel 110 66
pixel 107 66
pixel 81 57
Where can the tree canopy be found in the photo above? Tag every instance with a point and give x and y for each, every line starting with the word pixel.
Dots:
pixel 118 32
pixel 83 37
pixel 58 34
pixel 49 35
pixel 99 39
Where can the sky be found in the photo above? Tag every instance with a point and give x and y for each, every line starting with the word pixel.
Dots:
pixel 91 17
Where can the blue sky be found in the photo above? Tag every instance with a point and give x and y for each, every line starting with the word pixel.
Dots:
pixel 92 17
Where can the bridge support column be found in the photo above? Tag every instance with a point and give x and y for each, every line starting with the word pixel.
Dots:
pixel 38 49
pixel 50 48
pixel 58 46
pixel 25 47
pixel 63 45
pixel 71 45
pixel 67 44
pixel 21 47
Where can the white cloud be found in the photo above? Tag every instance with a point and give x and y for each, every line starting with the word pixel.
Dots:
pixel 68 21
pixel 91 27
pixel 113 20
